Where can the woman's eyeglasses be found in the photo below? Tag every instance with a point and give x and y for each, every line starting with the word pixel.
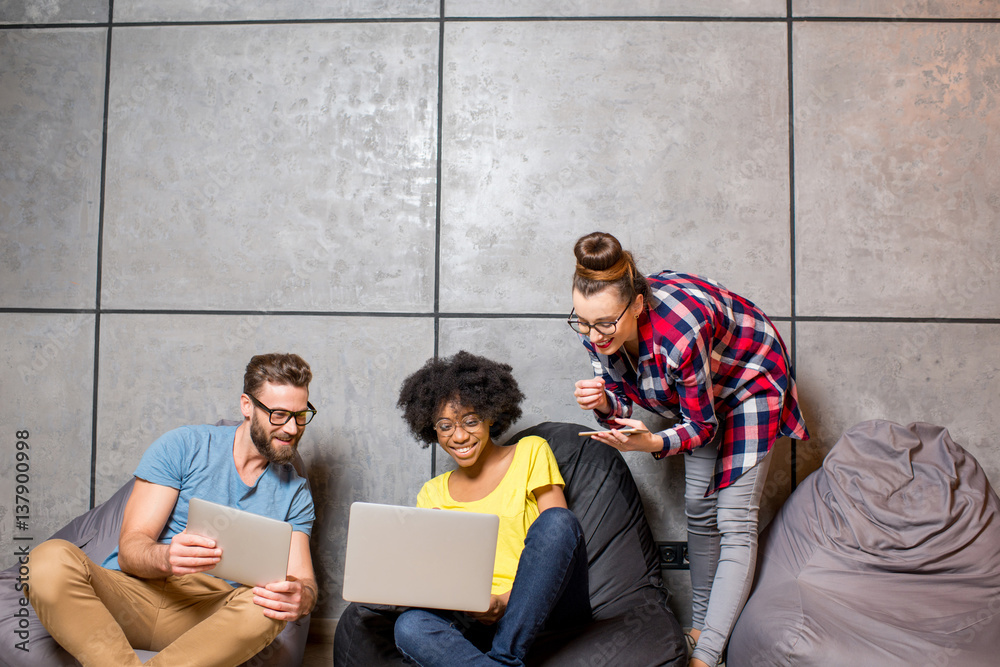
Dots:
pixel 606 328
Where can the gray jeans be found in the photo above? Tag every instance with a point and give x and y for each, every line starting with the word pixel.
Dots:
pixel 722 547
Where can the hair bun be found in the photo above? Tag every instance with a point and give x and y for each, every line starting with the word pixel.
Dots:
pixel 601 263
pixel 598 251
pixel 599 257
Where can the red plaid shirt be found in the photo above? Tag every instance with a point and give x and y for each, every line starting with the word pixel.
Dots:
pixel 707 357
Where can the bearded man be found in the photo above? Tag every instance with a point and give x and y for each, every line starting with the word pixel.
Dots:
pixel 153 593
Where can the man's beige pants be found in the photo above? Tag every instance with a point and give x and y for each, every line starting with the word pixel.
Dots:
pixel 100 615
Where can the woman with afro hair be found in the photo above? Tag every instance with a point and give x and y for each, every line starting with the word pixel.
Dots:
pixel 540 572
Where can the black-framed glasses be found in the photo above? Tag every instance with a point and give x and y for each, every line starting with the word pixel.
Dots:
pixel 279 417
pixel 446 427
pixel 606 328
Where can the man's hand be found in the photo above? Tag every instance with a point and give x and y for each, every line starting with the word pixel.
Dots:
pixel 287 600
pixel 498 605
pixel 190 553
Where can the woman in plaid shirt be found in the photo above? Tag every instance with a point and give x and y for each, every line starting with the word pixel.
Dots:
pixel 687 348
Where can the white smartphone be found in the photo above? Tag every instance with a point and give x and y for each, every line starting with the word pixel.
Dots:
pixel 625 431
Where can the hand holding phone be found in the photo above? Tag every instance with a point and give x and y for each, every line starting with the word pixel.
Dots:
pixel 623 431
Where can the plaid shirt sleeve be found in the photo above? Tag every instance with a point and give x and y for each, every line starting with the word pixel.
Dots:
pixel 690 363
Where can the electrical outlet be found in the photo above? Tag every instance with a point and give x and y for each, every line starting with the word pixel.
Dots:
pixel 673 555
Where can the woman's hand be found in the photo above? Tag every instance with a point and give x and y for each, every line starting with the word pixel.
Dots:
pixel 643 441
pixel 498 605
pixel 590 395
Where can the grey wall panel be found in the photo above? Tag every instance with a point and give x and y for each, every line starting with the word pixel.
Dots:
pixel 573 8
pixel 39 12
pixel 897 178
pixel 672 135
pixel 242 10
pixel 933 372
pixel 47 399
pixel 51 102
pixel 280 167
pixel 897 8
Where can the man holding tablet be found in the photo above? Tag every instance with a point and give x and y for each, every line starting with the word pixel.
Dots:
pixel 153 593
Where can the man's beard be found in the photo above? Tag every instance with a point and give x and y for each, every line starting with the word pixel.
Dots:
pixel 262 442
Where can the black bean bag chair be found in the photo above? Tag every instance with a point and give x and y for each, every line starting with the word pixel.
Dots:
pixel 886 555
pixel 96 532
pixel 632 623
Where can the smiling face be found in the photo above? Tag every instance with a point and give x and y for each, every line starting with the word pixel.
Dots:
pixel 602 309
pixel 277 443
pixel 462 434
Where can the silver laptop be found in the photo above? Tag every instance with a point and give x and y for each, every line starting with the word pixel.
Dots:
pixel 410 557
pixel 254 548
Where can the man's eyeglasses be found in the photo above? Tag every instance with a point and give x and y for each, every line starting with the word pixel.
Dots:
pixel 446 426
pixel 606 328
pixel 281 417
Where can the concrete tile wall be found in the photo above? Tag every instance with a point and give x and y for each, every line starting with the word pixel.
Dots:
pixel 625 8
pixel 369 183
pixel 902 9
pixel 258 10
pixel 49 12
pixel 47 394
pixel 914 206
pixel 545 139
pixel 52 102
pixel 315 154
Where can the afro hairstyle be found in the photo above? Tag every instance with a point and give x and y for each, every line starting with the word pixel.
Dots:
pixel 475 382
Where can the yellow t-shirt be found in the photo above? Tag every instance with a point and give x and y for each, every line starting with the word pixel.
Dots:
pixel 532 467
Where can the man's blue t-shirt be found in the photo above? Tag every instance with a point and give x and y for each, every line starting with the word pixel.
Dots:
pixel 198 461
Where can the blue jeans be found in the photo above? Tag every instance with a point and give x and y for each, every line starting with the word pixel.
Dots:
pixel 551 591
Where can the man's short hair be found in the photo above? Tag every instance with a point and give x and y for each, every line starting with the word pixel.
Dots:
pixel 276 368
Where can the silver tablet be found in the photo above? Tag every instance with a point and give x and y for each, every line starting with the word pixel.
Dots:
pixel 254 548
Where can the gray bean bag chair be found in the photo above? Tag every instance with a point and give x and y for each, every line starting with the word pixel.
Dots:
pixel 96 532
pixel 886 555
pixel 633 626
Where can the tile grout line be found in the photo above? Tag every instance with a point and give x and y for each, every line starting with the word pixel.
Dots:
pixel 793 451
pixel 855 319
pixel 100 255
pixel 511 19
pixel 437 202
